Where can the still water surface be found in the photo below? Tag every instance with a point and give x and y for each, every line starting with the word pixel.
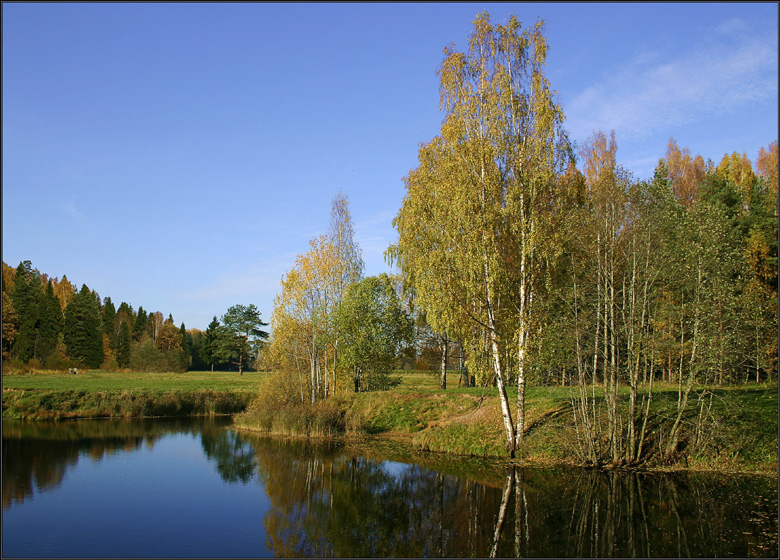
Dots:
pixel 194 488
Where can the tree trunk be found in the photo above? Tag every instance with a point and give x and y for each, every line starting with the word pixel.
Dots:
pixel 464 373
pixel 444 348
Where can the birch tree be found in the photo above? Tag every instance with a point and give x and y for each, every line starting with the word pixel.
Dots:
pixel 479 206
pixel 347 269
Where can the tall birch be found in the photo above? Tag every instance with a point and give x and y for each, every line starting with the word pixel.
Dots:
pixel 480 205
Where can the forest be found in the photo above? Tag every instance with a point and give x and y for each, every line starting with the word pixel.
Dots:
pixel 523 259
pixel 49 324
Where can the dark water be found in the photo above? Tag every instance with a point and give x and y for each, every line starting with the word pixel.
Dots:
pixel 192 488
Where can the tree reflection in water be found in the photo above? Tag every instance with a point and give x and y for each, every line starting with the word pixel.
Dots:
pixel 326 501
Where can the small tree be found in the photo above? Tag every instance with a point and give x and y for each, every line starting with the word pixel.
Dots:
pixel 373 327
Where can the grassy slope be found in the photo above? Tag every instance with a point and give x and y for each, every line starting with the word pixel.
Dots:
pixel 740 423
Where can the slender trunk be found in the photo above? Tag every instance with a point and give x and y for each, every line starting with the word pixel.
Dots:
pixel 443 378
pixel 313 367
pixel 506 412
pixel 590 453
pixel 613 366
pixel 526 300
pixel 682 403
pixel 520 430
pixel 327 375
pixel 464 374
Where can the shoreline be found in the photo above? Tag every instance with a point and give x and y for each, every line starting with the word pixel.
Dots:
pixel 423 422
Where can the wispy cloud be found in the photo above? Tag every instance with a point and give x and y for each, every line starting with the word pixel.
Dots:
pixel 77 216
pixel 732 69
pixel 248 283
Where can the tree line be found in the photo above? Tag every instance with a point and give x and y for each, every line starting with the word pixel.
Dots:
pixel 49 324
pixel 550 273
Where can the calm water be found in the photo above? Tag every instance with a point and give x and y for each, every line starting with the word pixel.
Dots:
pixel 192 488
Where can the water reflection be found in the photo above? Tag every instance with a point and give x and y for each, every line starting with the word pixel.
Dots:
pixel 326 500
pixel 328 503
pixel 235 457
pixel 36 455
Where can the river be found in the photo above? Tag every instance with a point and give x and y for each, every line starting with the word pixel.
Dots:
pixel 196 488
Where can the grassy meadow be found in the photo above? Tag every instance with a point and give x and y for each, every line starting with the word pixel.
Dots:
pixel 96 394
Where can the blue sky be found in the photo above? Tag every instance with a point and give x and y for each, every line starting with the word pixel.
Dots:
pixel 179 156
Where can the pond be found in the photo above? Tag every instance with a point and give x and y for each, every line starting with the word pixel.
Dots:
pixel 195 488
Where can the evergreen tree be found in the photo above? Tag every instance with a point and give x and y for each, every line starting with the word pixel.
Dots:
pixel 123 345
pixel 50 323
pixel 83 331
pixel 25 296
pixel 108 319
pixel 186 346
pixel 209 348
pixel 239 335
pixel 141 323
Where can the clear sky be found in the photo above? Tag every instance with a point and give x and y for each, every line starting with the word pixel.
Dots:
pixel 179 156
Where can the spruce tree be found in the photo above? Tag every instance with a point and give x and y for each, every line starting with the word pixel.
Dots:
pixel 186 346
pixel 141 323
pixel 25 296
pixel 108 319
pixel 123 345
pixel 209 348
pixel 50 323
pixel 83 332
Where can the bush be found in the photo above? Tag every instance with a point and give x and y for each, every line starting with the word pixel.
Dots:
pixel 33 364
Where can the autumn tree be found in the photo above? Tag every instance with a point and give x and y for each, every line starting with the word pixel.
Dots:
pixel 477 218
pixel 347 269
pixel 685 173
pixel 9 325
pixel 308 298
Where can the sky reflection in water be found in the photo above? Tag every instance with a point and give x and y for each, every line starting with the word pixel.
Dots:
pixel 191 488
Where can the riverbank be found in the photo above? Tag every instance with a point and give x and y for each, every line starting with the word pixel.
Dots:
pixel 98 394
pixel 738 433
pixel 730 429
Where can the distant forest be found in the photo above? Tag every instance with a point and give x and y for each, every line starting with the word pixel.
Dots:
pixel 50 324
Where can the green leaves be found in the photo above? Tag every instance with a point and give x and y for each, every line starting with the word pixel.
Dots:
pixel 372 325
pixel 240 334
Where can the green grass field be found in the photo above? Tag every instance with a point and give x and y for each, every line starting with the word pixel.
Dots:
pixel 100 394
pixel 94 380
